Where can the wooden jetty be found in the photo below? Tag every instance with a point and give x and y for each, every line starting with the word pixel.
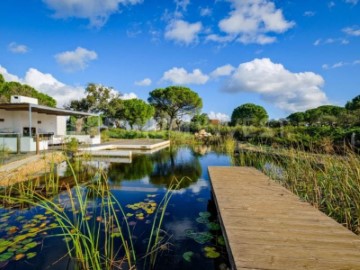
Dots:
pixel 268 227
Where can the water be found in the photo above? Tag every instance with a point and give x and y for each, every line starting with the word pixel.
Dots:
pixel 189 217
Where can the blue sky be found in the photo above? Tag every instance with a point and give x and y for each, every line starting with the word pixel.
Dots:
pixel 284 55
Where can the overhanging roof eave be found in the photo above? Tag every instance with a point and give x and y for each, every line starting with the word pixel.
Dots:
pixel 43 109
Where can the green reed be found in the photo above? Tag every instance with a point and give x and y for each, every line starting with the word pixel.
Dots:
pixel 329 182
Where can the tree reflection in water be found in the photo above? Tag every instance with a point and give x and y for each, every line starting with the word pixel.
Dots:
pixel 170 164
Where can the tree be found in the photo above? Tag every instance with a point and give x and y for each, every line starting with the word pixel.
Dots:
pixel 354 104
pixel 297 118
pixel 199 121
pixel 137 112
pixel 324 115
pixel 249 114
pixel 174 102
pixel 8 89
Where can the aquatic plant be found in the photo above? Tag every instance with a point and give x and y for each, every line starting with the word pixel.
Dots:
pixel 329 182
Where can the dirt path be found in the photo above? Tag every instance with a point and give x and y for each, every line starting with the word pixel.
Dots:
pixel 22 170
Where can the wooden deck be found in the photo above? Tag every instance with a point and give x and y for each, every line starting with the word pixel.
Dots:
pixel 268 227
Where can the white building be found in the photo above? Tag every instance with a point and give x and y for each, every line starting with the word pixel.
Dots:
pixel 26 126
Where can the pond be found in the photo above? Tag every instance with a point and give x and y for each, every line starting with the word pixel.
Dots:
pixel 189 236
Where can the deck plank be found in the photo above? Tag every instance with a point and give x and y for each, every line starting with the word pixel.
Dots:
pixel 268 227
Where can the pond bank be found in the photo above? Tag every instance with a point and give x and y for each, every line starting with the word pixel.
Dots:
pixel 24 169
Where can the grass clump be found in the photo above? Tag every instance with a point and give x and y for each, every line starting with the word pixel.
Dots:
pixel 329 182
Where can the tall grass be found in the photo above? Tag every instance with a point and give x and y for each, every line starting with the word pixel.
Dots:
pixel 92 231
pixel 329 182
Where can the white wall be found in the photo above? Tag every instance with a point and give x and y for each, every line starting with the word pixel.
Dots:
pixel 15 121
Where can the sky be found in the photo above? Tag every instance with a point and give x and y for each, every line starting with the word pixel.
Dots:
pixel 285 55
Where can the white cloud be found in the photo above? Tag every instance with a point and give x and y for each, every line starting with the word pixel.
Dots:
pixel 182 4
pixel 352 31
pixel 17 48
pixel 353 2
pixel 341 64
pixel 46 83
pixel 8 76
pixel 183 32
pixel 225 70
pixel 222 117
pixel 331 4
pixel 206 11
pixel 181 76
pixel 75 60
pixel 126 96
pixel 144 82
pixel 309 13
pixel 252 21
pixel 97 12
pixel 220 39
pixel 286 90
pixel 327 41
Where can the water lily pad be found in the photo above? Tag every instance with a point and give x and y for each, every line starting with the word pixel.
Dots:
pixel 30 245
pixel 12 229
pixel 213 226
pixel 210 252
pixel 202 237
pixel 117 234
pixel 129 214
pixel 188 255
pixel 19 256
pixel 6 256
pixel 203 220
pixel 31 255
pixel 221 240
pixel 205 214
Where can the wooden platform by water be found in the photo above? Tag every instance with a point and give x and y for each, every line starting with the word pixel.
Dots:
pixel 268 227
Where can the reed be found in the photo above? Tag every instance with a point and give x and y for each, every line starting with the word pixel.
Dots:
pixel 329 182
pixel 91 220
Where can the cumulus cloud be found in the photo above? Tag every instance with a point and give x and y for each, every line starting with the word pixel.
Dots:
pixel 352 31
pixel 17 48
pixel 8 76
pixel 144 82
pixel 225 70
pixel 182 76
pixel 97 12
pixel 222 117
pixel 75 60
pixel 183 32
pixel 286 90
pixel 253 21
pixel 126 96
pixel 46 83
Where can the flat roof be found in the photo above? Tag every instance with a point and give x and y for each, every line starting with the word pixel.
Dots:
pixel 41 109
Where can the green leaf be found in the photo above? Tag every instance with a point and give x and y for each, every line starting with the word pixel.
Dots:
pixel 188 255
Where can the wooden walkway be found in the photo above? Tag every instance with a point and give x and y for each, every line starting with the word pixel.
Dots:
pixel 268 227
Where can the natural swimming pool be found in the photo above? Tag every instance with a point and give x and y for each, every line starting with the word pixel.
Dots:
pixel 189 238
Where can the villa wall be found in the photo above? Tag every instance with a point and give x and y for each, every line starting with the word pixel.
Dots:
pixel 15 121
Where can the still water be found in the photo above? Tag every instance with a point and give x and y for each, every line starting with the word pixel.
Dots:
pixel 190 226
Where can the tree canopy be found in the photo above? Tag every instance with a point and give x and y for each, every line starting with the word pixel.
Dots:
pixel 137 112
pixel 353 104
pixel 249 114
pixel 199 121
pixel 174 102
pixel 8 89
pixel 97 99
